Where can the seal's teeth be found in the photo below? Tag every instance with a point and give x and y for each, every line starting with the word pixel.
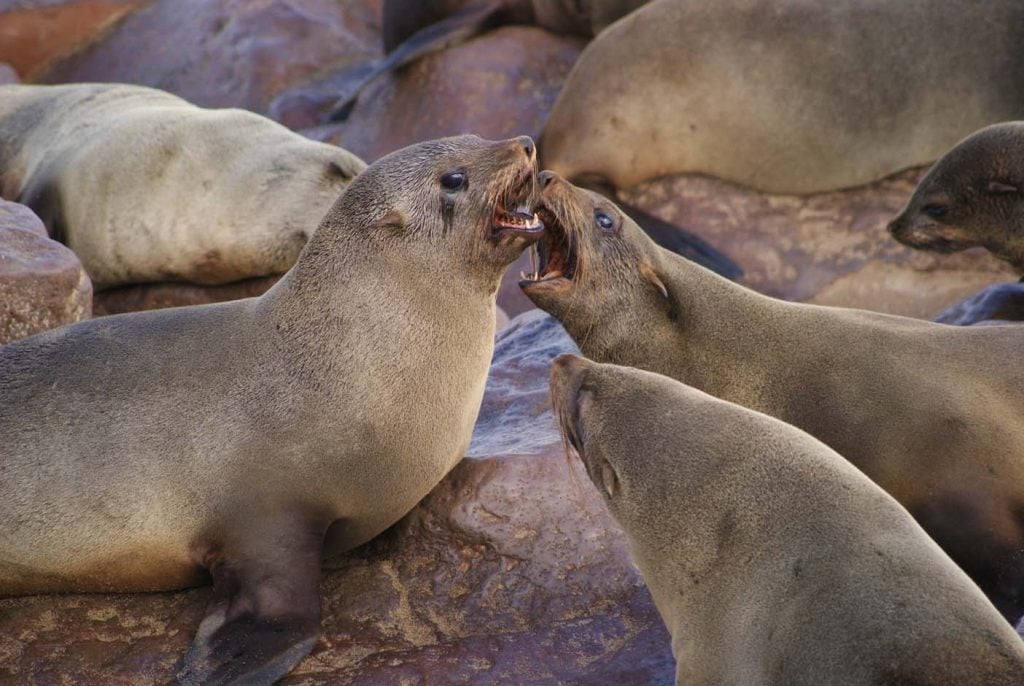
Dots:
pixel 522 275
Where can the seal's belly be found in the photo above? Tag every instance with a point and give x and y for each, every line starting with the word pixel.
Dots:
pixel 134 569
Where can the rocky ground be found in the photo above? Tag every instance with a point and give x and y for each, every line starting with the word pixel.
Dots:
pixel 511 571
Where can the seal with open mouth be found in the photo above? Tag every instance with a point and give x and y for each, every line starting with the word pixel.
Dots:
pixel 932 413
pixel 771 558
pixel 237 442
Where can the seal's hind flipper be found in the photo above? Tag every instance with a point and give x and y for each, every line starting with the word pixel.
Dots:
pixel 265 613
pixel 449 31
pixel 683 242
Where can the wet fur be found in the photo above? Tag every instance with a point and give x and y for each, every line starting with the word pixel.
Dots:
pixel 979 184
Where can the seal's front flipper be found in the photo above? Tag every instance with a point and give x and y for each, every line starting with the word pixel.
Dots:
pixel 450 31
pixel 265 613
pixel 999 303
pixel 683 242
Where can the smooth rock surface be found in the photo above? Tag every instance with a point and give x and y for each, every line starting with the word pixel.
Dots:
pixel 510 572
pixel 829 249
pixel 36 33
pixel 498 85
pixel 42 283
pixel 229 53
pixel 155 296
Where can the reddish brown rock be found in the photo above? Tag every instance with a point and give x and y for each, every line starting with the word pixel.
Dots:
pixel 830 248
pixel 229 53
pixel 497 85
pixel 510 572
pixel 42 283
pixel 36 33
pixel 155 296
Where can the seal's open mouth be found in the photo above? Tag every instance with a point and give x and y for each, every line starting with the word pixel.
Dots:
pixel 553 258
pixel 513 215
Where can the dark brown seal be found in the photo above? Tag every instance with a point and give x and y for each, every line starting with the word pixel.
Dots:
pixel 237 442
pixel 771 558
pixel 974 196
pixel 931 413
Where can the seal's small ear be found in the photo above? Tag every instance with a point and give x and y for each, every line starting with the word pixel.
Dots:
pixel 1000 188
pixel 649 274
pixel 391 223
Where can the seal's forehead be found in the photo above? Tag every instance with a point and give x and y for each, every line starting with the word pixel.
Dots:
pixel 450 146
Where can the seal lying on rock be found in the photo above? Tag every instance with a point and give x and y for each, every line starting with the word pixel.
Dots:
pixel 787 96
pixel 772 559
pixel 973 197
pixel 145 187
pixel 931 413
pixel 239 441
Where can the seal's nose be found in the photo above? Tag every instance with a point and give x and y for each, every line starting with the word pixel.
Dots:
pixel 546 178
pixel 528 147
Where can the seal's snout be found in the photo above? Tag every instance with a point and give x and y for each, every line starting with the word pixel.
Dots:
pixel 547 178
pixel 897 226
pixel 528 147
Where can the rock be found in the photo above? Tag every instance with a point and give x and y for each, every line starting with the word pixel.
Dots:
pixel 829 248
pixel 510 572
pixel 497 85
pixel 36 33
pixel 229 53
pixel 7 74
pixel 42 283
pixel 155 296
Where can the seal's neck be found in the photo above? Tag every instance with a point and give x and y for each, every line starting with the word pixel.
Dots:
pixel 709 332
pixel 354 287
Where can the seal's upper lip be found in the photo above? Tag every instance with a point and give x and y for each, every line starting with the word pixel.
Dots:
pixel 513 215
pixel 554 257
pixel 918 237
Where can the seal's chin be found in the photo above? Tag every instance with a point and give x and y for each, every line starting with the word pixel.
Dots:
pixel 554 259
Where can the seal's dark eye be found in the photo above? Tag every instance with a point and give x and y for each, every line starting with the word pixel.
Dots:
pixel 454 180
pixel 935 211
pixel 604 220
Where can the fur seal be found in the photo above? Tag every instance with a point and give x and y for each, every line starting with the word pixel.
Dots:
pixel 931 413
pixel 973 197
pixel 238 441
pixel 787 96
pixel 753 535
pixel 146 187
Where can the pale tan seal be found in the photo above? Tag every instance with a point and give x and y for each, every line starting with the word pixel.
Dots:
pixel 238 441
pixel 932 413
pixel 771 558
pixel 146 187
pixel 787 96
